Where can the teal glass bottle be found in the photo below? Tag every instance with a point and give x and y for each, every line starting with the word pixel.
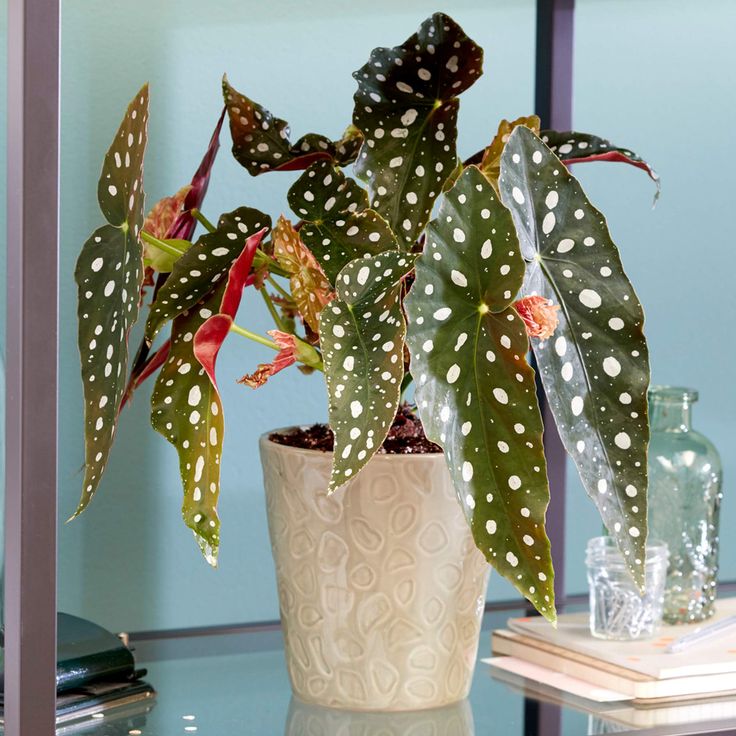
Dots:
pixel 685 493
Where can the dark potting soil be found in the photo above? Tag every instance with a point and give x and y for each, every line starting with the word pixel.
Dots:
pixel 406 436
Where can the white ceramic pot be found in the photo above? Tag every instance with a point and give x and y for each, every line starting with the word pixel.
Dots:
pixel 380 585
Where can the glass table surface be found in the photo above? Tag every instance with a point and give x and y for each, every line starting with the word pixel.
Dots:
pixel 236 684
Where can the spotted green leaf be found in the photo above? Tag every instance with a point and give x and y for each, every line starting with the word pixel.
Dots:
pixel 185 405
pixel 574 148
pixel 261 140
pixel 197 272
pixel 362 339
pixel 406 106
pixel 338 226
pixel 109 276
pixel 595 370
pixel 186 409
pixel 475 390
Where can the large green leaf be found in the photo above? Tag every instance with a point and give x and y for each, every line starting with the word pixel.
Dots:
pixel 185 405
pixel 261 140
pixel 475 390
pixel 109 276
pixel 197 272
pixel 406 106
pixel 596 369
pixel 362 338
pixel 186 409
pixel 338 226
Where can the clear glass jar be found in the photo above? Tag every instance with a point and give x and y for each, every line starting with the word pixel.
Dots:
pixel 617 609
pixel 684 503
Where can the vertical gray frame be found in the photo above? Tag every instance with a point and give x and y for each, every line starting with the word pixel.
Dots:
pixel 32 367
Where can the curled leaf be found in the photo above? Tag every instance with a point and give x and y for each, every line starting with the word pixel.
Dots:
pixel 310 289
pixel 577 148
pixel 490 164
pixel 261 140
pixel 406 106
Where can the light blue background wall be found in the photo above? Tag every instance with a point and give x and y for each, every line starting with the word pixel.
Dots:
pixel 129 562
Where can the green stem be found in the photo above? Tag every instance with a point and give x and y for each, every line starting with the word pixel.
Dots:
pixel 172 250
pixel 262 259
pixel 238 330
pixel 276 285
pixel 200 218
pixel 272 310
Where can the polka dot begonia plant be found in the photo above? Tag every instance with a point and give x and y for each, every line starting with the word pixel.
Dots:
pixel 441 272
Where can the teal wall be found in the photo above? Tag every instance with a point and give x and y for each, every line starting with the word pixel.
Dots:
pixel 654 76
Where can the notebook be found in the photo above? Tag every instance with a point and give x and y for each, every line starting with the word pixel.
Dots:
pixel 551 687
pixel 638 669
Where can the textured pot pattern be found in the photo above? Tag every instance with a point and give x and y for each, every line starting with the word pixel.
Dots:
pixel 380 585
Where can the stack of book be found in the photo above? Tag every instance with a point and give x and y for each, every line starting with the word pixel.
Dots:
pixel 96 678
pixel 640 681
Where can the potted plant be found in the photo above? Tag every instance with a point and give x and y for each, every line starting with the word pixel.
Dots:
pixel 430 279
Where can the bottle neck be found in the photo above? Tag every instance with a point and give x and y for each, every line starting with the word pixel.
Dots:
pixel 671 416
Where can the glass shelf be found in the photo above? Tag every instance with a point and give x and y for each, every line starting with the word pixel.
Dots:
pixel 235 684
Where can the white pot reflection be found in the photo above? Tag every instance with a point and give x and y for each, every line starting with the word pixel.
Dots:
pixel 314 720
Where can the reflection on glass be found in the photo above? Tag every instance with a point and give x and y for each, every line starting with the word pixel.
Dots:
pixel 314 720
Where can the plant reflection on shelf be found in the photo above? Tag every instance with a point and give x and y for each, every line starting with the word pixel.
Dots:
pixel 308 720
pixel 364 288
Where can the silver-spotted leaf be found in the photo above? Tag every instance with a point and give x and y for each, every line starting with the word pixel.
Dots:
pixel 198 271
pixel 261 140
pixel 475 390
pixel 185 405
pixel 362 339
pixel 338 226
pixel 406 106
pixel 109 276
pixel 595 369
pixel 186 409
pixel 576 148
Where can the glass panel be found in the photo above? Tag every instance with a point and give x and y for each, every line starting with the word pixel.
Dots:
pixel 129 562
pixel 668 100
pixel 237 684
